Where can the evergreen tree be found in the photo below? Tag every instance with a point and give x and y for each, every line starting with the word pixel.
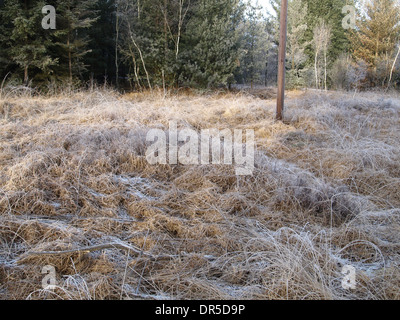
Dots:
pixel 329 11
pixel 376 37
pixel 5 26
pixel 212 43
pixel 142 44
pixel 73 16
pixel 296 44
pixel 103 42
pixel 255 43
pixel 24 42
pixel 303 18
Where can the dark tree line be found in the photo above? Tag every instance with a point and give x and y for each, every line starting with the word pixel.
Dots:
pixel 144 44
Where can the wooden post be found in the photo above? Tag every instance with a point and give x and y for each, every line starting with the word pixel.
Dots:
pixel 281 61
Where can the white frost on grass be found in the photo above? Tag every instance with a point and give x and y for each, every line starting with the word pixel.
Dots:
pixel 136 186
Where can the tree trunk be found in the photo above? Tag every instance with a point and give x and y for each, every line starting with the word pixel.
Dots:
pixel 26 74
pixel 282 61
pixel 141 57
pixel 135 68
pixel 325 71
pixel 182 16
pixel 69 48
pixel 116 46
pixel 69 58
pixel 316 70
pixel 393 67
pixel 165 33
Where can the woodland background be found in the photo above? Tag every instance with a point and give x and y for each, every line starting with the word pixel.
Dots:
pixel 142 44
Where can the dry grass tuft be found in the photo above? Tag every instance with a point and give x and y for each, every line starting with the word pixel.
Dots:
pixel 325 193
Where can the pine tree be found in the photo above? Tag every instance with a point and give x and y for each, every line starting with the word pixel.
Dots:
pixel 73 17
pixel 297 27
pixel 142 42
pixel 305 15
pixel 5 27
pixel 331 12
pixel 255 43
pixel 103 42
pixel 23 40
pixel 212 43
pixel 376 37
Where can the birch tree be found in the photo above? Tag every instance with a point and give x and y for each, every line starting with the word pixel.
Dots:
pixel 297 27
pixel 321 42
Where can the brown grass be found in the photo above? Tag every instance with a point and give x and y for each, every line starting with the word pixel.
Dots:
pixel 325 193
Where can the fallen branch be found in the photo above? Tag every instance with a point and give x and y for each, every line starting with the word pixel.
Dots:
pixel 114 245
